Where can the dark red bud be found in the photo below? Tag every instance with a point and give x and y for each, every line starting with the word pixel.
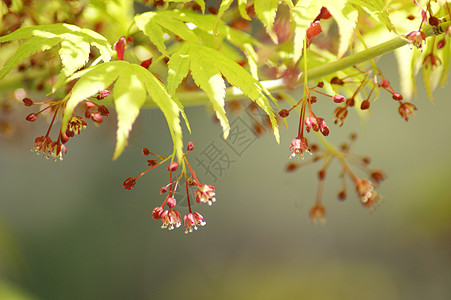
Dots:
pixel 64 138
pixel 146 151
pixel 365 105
pixel 151 162
pixel 284 113
pixel 70 133
pixel 213 10
pixel 320 84
pixel 291 167
pixel 129 183
pixel 441 44
pixel 322 174
pixel 342 195
pixel 163 190
pixel 104 111
pixel 336 81
pixel 31 117
pixel 433 21
pixel 190 146
pixel 27 101
pixel 350 102
pixel 397 97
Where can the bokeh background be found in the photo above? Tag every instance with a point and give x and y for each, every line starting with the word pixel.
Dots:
pixel 68 230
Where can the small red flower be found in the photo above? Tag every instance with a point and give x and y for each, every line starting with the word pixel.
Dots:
pixel 205 193
pixel 406 110
pixel 340 114
pixel 416 38
pixel 318 214
pixel 170 218
pixel 368 195
pixel 431 61
pixel 298 146
pixel 192 220
pixel 76 124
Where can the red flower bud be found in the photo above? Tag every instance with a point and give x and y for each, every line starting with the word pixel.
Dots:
pixel 397 96
pixel 27 101
pixel 129 183
pixel 284 113
pixel 365 104
pixel 190 146
pixel 104 111
pixel 31 117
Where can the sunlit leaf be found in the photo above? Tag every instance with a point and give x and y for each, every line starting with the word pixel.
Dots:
pixel 178 67
pixel 207 76
pixel 75 45
pixel 303 15
pixel 131 85
pixel 266 12
pixel 346 17
pixel 377 9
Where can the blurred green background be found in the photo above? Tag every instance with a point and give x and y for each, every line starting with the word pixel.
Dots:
pixel 69 230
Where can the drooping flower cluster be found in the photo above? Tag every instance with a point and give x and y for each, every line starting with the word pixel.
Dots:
pixel 48 148
pixel 365 188
pixel 170 217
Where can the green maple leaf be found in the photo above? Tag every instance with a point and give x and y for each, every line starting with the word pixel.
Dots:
pixel 132 84
pixel 74 51
pixel 208 67
pixel 345 16
pixel 266 12
pixel 303 15
pixel 377 9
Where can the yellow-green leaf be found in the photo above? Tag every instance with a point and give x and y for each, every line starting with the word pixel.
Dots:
pixel 266 12
pixel 129 96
